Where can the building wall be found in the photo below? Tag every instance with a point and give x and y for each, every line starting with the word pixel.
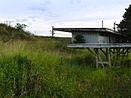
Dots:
pixel 89 37
pixel 103 39
pixel 116 39
pixel 92 37
pixel 113 39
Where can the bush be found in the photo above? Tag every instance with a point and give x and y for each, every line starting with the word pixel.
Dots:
pixel 79 39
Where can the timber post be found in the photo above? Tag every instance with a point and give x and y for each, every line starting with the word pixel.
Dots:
pixel 114 53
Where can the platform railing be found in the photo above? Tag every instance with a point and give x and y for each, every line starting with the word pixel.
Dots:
pixel 99 45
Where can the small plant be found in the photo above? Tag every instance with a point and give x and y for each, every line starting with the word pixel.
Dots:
pixel 79 39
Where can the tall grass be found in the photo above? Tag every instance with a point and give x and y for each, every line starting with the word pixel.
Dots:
pixel 46 68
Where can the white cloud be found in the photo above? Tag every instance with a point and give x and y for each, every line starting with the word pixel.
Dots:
pixel 40 15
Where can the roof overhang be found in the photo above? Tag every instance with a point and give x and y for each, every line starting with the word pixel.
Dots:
pixel 86 30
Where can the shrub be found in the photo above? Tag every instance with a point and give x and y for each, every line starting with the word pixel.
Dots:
pixel 79 39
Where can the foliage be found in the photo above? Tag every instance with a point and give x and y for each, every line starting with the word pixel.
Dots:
pixel 125 25
pixel 83 58
pixel 8 33
pixel 79 39
pixel 20 26
pixel 43 69
pixel 22 76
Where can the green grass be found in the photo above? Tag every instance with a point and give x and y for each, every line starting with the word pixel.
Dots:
pixel 45 68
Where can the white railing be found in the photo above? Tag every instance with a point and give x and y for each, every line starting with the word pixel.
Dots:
pixel 100 45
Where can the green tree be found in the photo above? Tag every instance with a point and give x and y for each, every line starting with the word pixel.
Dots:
pixel 79 39
pixel 20 26
pixel 125 25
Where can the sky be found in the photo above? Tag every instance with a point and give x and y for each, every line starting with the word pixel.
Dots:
pixel 41 15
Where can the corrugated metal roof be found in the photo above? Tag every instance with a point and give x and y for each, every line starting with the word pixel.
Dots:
pixel 72 30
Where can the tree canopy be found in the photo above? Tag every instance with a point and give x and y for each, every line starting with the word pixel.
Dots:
pixel 125 25
pixel 20 26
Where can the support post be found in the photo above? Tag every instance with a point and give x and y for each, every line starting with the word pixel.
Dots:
pixel 52 32
pixel 109 56
pixel 114 57
pixel 97 58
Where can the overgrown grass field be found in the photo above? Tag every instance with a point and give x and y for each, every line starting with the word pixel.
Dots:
pixel 46 68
